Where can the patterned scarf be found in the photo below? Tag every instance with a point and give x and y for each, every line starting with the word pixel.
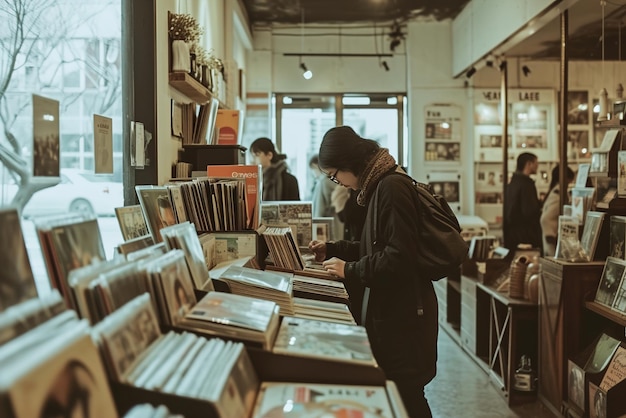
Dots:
pixel 379 164
pixel 273 181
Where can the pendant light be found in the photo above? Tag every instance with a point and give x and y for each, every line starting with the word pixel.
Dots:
pixel 604 95
pixel 306 73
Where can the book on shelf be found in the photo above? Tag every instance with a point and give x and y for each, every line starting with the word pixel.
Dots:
pixel 610 280
pixel 279 399
pixel 324 340
pixel 236 317
pixel 131 221
pixel 261 284
pixel 17 282
pixel 253 176
pixel 227 127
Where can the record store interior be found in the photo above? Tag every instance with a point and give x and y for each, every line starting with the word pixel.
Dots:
pixel 313 208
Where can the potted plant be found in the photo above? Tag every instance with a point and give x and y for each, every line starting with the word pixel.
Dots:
pixel 183 30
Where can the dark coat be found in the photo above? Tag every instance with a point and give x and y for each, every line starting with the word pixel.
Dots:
pixel 291 191
pixel 279 184
pixel 404 343
pixel 522 211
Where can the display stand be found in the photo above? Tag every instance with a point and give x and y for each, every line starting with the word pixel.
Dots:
pixel 512 333
pixel 200 156
pixel 127 396
pixel 563 289
pixel 275 367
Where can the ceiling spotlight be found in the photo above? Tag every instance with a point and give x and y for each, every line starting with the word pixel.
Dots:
pixel 396 36
pixel 306 73
pixel 470 72
pixel 395 42
pixel 385 65
pixel 526 70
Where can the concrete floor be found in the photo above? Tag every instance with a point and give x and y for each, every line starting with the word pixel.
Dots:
pixel 462 389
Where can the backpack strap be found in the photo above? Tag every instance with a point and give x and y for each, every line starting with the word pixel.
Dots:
pixel 370 246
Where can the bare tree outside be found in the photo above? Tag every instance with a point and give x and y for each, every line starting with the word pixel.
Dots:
pixel 67 50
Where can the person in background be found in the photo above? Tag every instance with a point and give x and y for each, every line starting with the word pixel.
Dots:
pixel 550 212
pixel 322 197
pixel 402 336
pixel 522 208
pixel 278 183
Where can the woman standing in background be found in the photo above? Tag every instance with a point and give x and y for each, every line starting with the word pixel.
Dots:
pixel 278 184
pixel 550 212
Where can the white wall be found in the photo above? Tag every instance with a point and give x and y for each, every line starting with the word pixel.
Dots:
pixel 485 25
pixel 223 35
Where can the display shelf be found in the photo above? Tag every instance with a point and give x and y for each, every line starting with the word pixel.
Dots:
pixel 606 312
pixel 190 87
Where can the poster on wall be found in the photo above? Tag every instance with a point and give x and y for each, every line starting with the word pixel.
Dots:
pixel 103 144
pixel 447 184
pixel 46 150
pixel 442 133
pixel 531 124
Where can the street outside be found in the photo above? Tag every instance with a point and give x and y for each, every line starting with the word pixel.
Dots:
pixel 111 237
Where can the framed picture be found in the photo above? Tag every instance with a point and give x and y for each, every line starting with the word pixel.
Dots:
pixel 621 173
pixel 131 221
pixel 617 236
pixel 610 281
pixel 177 119
pixel 591 232
pixel 578 107
pixel 323 229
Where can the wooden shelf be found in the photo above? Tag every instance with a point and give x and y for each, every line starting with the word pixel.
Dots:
pixel 190 87
pixel 606 312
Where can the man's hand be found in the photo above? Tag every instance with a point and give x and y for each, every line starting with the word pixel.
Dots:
pixel 335 266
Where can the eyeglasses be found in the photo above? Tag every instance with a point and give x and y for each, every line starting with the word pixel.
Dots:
pixel 333 177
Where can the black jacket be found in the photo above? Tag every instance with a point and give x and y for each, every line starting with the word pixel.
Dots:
pixel 404 343
pixel 522 212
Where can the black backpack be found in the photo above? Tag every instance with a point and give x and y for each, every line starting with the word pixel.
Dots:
pixel 444 248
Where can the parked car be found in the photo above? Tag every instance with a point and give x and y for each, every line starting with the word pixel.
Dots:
pixel 78 192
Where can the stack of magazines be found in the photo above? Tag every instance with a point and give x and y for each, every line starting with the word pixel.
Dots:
pixel 235 317
pixel 261 284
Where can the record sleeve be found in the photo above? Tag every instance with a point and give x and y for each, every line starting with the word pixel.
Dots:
pixel 324 340
pixel 284 400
